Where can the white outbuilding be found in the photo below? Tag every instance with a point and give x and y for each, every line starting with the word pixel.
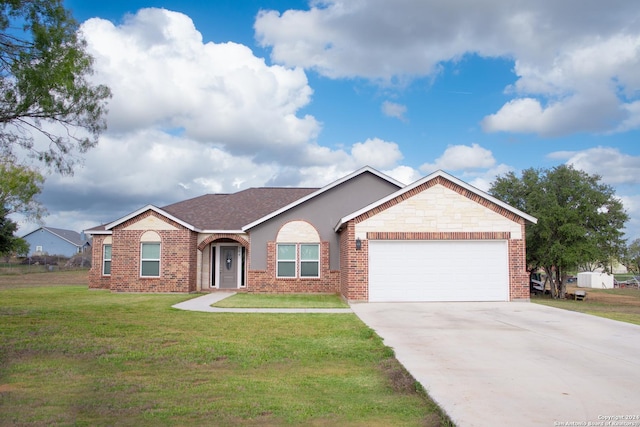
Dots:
pixel 592 279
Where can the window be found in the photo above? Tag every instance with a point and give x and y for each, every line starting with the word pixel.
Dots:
pixel 309 260
pixel 106 260
pixel 288 264
pixel 286 261
pixel 150 260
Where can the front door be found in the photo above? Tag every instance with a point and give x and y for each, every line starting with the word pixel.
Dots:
pixel 228 267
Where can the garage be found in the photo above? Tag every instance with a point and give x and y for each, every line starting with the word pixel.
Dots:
pixel 418 270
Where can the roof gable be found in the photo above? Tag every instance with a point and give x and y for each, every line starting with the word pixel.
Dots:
pixel 230 212
pixel 143 210
pixel 366 169
pixel 70 236
pixel 439 177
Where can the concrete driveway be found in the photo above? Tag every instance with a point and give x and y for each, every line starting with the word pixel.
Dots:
pixel 499 364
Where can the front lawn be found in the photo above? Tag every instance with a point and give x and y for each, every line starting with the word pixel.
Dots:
pixel 617 304
pixel 282 301
pixel 70 356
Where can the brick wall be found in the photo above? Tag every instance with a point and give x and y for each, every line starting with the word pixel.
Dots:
pixel 96 279
pixel 354 266
pixel 178 259
pixel 266 280
pixel 518 274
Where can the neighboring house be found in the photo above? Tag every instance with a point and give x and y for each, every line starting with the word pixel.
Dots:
pixel 365 236
pixel 55 241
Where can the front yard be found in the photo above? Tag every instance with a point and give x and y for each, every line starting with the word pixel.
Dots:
pixel 69 356
pixel 617 304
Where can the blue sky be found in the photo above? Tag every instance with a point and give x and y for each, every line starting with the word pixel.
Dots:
pixel 220 96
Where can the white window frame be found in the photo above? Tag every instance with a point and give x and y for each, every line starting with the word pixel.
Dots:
pixel 158 260
pixel 302 261
pixel 294 261
pixel 298 261
pixel 105 259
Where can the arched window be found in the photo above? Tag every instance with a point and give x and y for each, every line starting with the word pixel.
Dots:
pixel 298 251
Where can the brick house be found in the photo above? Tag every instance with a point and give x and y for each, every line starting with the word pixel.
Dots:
pixel 365 236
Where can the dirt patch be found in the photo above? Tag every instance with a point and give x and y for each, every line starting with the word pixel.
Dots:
pixel 54 278
pixel 5 388
pixel 627 296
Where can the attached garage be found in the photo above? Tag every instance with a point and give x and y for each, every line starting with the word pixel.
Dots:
pixel 438 239
pixel 415 270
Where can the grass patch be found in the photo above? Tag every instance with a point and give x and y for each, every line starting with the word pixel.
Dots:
pixel 76 357
pixel 617 304
pixel 282 301
pixel 23 278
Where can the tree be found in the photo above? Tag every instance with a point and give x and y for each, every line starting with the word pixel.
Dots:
pixel 7 239
pixel 580 220
pixel 633 256
pixel 45 94
pixel 19 186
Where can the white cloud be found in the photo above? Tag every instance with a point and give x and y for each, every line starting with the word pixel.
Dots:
pixel 461 158
pixel 162 75
pixel 376 153
pixel 404 174
pixel 613 166
pixel 391 109
pixel 577 63
pixel 483 179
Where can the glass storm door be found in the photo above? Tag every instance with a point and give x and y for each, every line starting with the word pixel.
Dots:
pixel 228 267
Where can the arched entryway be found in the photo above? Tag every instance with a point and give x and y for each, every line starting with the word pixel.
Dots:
pixel 223 263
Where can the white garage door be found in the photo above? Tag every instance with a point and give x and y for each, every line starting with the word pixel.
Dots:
pixel 407 270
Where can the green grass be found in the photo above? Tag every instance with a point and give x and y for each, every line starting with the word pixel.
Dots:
pixel 69 356
pixel 617 304
pixel 282 301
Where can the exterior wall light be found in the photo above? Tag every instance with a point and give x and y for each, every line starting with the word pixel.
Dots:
pixel 358 244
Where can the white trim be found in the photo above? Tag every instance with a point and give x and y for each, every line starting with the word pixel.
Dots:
pixel 104 245
pixel 149 259
pixel 145 209
pixel 295 260
pixel 214 263
pixel 298 260
pixel 318 260
pixel 320 191
pixel 95 232
pixel 438 173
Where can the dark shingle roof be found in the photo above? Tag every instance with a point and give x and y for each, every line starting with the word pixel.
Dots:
pixel 233 211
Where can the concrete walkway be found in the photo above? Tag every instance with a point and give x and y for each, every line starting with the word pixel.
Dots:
pixel 204 302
